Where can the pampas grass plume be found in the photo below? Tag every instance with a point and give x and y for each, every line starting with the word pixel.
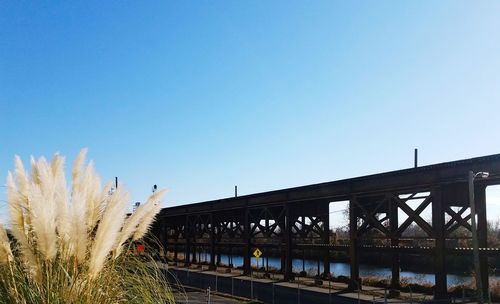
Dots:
pixel 66 237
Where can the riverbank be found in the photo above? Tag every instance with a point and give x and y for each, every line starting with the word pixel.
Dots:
pixel 301 290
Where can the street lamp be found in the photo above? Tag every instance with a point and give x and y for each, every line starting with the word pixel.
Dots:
pixel 477 268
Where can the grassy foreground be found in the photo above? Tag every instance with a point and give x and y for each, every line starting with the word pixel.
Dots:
pixel 74 246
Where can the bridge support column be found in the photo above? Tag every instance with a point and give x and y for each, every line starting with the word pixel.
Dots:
pixel 393 222
pixel 326 238
pixel 187 251
pixel 247 235
pixel 353 247
pixel 163 239
pixel 193 251
pixel 438 226
pixel 175 250
pixel 288 243
pixel 482 231
pixel 283 258
pixel 212 241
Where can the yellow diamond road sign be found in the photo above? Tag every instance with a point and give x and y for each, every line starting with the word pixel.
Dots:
pixel 257 253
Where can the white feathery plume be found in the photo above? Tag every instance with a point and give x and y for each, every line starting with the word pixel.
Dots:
pixel 16 200
pixel 45 175
pixel 77 167
pixel 77 210
pixel 61 202
pixel 21 176
pixel 88 187
pixel 81 199
pixel 47 209
pixel 148 216
pixel 93 202
pixel 21 192
pixel 18 224
pixel 108 230
pixel 77 230
pixel 99 205
pixel 5 251
pixel 45 217
pixel 146 221
pixel 43 221
pixel 139 216
pixel 20 218
pixel 35 175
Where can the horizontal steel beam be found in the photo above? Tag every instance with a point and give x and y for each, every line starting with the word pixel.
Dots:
pixel 395 181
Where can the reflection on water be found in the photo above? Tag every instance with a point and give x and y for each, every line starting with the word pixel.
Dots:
pixel 311 267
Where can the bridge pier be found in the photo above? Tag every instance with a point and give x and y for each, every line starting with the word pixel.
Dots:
pixel 325 210
pixel 482 231
pixel 438 225
pixel 212 241
pixel 187 252
pixel 246 236
pixel 288 243
pixel 175 252
pixel 393 226
pixel 355 281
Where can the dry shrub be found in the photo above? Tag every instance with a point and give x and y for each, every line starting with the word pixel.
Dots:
pixel 73 246
pixel 495 289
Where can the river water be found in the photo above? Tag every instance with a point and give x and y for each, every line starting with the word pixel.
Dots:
pixel 311 266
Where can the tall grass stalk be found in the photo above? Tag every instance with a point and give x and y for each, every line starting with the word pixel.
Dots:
pixel 73 245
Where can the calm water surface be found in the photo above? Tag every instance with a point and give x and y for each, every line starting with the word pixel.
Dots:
pixel 311 266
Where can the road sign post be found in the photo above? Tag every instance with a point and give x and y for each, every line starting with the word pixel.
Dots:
pixel 257 253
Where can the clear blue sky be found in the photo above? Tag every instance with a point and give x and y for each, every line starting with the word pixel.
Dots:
pixel 199 96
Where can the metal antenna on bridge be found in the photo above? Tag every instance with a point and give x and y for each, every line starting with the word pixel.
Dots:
pixel 416 157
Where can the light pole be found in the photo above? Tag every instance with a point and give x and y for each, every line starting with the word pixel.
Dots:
pixel 477 268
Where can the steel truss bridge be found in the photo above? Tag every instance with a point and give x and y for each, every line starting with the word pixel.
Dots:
pixel 294 219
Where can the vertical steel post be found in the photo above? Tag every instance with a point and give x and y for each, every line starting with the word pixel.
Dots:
pixel 267 262
pixel 438 227
pixel 482 234
pixel 353 247
pixel 187 236
pixel 175 251
pixel 393 223
pixel 213 225
pixel 304 260
pixel 288 243
pixel 475 245
pixel 193 251
pixel 325 210
pixel 246 254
